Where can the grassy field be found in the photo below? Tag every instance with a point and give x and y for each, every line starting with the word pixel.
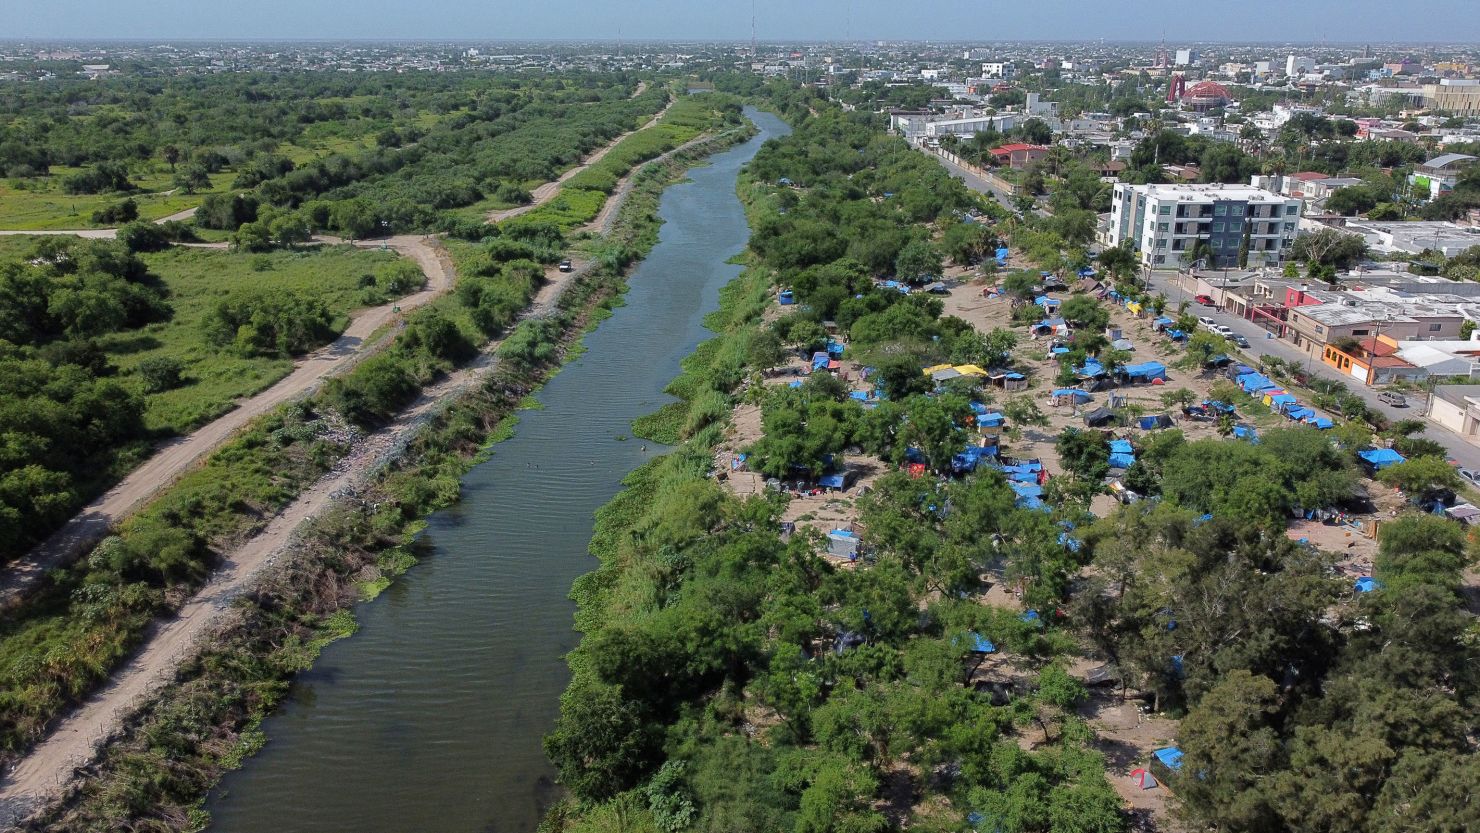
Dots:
pixel 39 204
pixel 198 279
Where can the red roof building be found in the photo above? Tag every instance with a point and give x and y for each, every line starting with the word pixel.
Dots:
pixel 1019 155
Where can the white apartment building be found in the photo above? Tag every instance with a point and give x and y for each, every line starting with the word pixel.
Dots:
pixel 1297 65
pixel 1167 223
pixel 999 69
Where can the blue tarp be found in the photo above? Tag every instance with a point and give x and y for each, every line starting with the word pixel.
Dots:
pixel 1254 381
pixel 1031 616
pixel 861 396
pixel 794 383
pixel 1121 447
pixel 1027 489
pixel 1171 758
pixel 1077 394
pixel 833 481
pixel 992 420
pixel 819 361
pixel 1163 321
pixel 1381 458
pixel 1090 368
pixel 1145 370
pixel 787 298
pixel 1121 461
pixel 981 645
pixel 1012 374
pixel 834 348
pixel 1045 301
pixel 1218 406
pixel 1070 542
pixel 1322 423
pixel 1244 432
pixel 1002 254
pixel 1366 584
pixel 1086 272
pixel 1298 413
pixel 1058 351
pixel 1177 335
pixel 1280 399
pixel 971 457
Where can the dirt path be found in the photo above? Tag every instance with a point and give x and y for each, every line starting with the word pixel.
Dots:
pixel 75 741
pixel 174 458
pixel 547 192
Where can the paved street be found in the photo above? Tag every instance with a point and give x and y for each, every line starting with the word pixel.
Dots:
pixel 1261 343
pixel 973 181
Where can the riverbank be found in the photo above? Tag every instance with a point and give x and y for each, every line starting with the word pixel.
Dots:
pixel 209 712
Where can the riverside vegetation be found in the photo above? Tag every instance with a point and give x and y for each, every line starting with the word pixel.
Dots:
pixel 728 679
pixel 205 722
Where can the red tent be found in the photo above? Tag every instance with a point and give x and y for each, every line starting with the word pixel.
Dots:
pixel 1143 779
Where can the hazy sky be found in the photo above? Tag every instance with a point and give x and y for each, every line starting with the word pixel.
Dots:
pixel 1261 20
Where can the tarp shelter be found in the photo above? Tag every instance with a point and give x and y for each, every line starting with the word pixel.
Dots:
pixel 1221 407
pixel 1170 757
pixel 842 544
pixel 794 383
pixel 1381 458
pixel 820 360
pixel 936 287
pixel 1001 255
pixel 1031 616
pixel 787 298
pixel 1246 432
pixel 1162 323
pixel 970 370
pixel 1091 369
pixel 980 644
pixel 971 457
pixel 1123 344
pixel 991 420
pixel 1154 421
pixel 861 396
pixel 944 375
pixel 1276 400
pixel 1143 779
pixel 1322 423
pixel 1465 513
pixel 1366 584
pixel 1009 380
pixel 1099 417
pixel 1177 335
pixel 1070 396
pixel 1298 413
pixel 836 480
pixel 1121 461
pixel 1121 447
pixel 1145 371
pixel 835 348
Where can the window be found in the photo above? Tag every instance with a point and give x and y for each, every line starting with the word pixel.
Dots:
pixel 1434 328
pixel 1291 209
pixel 1165 209
pixel 1237 211
pixel 1289 226
pixel 1217 228
pixel 1159 259
pixel 1163 226
pixel 1220 210
pixel 1217 242
pixel 1161 243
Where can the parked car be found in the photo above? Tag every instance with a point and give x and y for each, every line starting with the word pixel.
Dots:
pixel 1203 299
pixel 1206 321
pixel 1470 476
pixel 1222 330
pixel 565 265
pixel 1393 398
pixel 1239 340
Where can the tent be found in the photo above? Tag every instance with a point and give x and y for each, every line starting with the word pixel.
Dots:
pixel 1073 396
pixel 1162 323
pixel 1321 422
pixel 1366 584
pixel 1143 778
pixel 1381 458
pixel 991 420
pixel 1122 461
pixel 837 480
pixel 1278 400
pixel 1099 417
pixel 1170 757
pixel 980 644
pixel 842 544
pixel 1245 432
pixel 786 298
pixel 1145 371
pixel 1155 421
pixel 1121 447
pixel 835 348
pixel 1123 344
pixel 935 287
pixel 1298 413
pixel 1090 368
pixel 820 360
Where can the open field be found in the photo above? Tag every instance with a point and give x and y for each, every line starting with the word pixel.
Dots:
pixel 40 205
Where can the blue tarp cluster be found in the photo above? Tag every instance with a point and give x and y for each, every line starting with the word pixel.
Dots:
pixel 901 288
pixel 1145 371
pixel 1381 458
pixel 971 457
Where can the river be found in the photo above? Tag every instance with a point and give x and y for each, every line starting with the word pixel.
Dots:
pixel 430 717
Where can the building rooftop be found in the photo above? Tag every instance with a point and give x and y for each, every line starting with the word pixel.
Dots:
pixel 1457 394
pixel 1448 159
pixel 1192 192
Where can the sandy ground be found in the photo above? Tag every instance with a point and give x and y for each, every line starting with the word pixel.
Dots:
pixel 76 739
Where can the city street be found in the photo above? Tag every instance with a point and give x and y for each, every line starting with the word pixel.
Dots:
pixel 973 181
pixel 1262 343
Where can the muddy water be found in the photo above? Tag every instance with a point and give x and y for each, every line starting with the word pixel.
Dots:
pixel 430 717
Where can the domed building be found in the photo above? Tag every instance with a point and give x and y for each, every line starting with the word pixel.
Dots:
pixel 1206 95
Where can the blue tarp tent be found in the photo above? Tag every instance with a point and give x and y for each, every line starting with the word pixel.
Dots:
pixel 835 348
pixel 1058 351
pixel 1121 461
pixel 861 396
pixel 1121 447
pixel 1002 254
pixel 1045 301
pixel 1162 322
pixel 1322 423
pixel 1031 616
pixel 1366 584
pixel 1073 393
pixel 992 420
pixel 1281 399
pixel 1244 432
pixel 1170 757
pixel 971 457
pixel 1090 368
pixel 787 298
pixel 833 481
pixel 1299 413
pixel 1155 421
pixel 819 361
pixel 1145 371
pixel 1070 542
pixel 980 644
pixel 1251 382
pixel 1381 458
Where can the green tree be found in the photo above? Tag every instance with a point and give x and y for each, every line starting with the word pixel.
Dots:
pixel 918 262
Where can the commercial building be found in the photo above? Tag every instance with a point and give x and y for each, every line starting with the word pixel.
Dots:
pixel 1457 407
pixel 1297 65
pixel 1416 236
pixel 1019 155
pixel 999 69
pixel 1453 95
pixel 1186 57
pixel 1168 223
pixel 1439 175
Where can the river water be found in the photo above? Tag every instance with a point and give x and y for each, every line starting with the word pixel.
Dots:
pixel 430 717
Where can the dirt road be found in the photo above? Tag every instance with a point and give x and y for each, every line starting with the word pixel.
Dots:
pixel 174 458
pixel 76 740
pixel 547 192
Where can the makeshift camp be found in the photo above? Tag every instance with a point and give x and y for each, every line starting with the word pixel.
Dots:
pixel 837 480
pixel 820 361
pixel 1246 432
pixel 1149 423
pixel 1123 344
pixel 842 543
pixel 1380 458
pixel 1366 584
pixel 1143 779
pixel 1008 380
pixel 1099 417
pixel 971 457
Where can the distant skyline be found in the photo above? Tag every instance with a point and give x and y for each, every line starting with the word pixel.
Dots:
pixel 1275 21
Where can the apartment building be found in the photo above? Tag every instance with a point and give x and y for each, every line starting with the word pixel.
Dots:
pixel 1453 95
pixel 1169 224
